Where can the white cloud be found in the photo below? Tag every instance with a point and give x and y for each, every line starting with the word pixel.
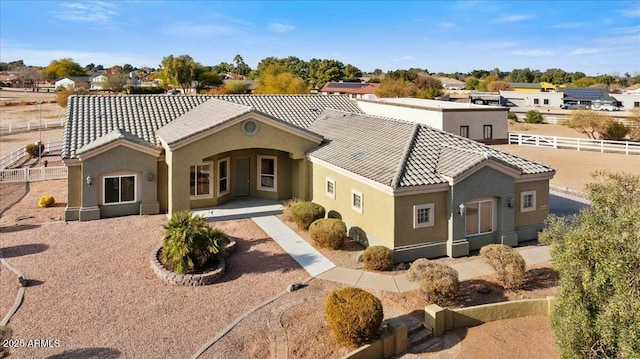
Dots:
pixel 280 28
pixel 567 25
pixel 407 57
pixel 447 24
pixel 583 51
pixel 533 53
pixel 95 12
pixel 512 18
pixel 630 30
pixel 631 12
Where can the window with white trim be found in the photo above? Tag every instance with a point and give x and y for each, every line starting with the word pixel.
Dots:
pixel 423 215
pixel 223 176
pixel 200 180
pixel 464 131
pixel 267 173
pixel 478 217
pixel 330 188
pixel 356 201
pixel 488 132
pixel 119 189
pixel 527 201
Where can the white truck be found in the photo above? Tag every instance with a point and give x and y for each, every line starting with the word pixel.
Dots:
pixel 597 106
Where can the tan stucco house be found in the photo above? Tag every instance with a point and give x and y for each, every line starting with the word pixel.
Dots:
pixel 417 190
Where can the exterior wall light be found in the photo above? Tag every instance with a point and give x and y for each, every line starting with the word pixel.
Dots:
pixel 511 202
pixel 149 177
pixel 461 209
pixel 89 180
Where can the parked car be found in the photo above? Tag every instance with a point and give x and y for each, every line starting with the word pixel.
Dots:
pixel 173 92
pixel 604 107
pixel 571 106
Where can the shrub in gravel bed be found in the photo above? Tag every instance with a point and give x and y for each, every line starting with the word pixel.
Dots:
pixel 438 283
pixel 46 201
pixel 33 148
pixel 189 243
pixel 377 258
pixel 287 209
pixel 353 315
pixel 328 233
pixel 305 213
pixel 508 264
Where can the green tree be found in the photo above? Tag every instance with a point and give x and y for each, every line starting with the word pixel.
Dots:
pixel 276 79
pixel 583 82
pixel 533 116
pixel 428 87
pixel 615 131
pixel 588 122
pixel 115 82
pixel 241 67
pixel 483 85
pixel 597 254
pixel 390 87
pixel 62 68
pixel 206 79
pixel 521 75
pixel 323 71
pixel 351 72
pixel 471 83
pixel 181 71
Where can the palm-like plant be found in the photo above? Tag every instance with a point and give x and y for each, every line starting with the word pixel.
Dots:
pixel 189 242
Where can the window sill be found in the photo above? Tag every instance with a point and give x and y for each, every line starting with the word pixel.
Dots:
pixel 118 203
pixel 267 189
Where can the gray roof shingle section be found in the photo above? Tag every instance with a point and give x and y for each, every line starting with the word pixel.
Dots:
pixel 113 136
pixel 204 117
pixel 91 117
pixel 402 154
pixel 368 146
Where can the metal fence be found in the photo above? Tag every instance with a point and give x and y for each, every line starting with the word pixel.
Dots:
pixel 15 156
pixel 33 174
pixel 580 144
pixel 13 127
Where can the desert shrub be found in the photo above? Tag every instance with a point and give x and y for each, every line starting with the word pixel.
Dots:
pixel 508 264
pixel 533 116
pixel 305 213
pixel 5 334
pixel 32 149
pixel 512 116
pixel 189 243
pixel 438 283
pixel 354 315
pixel 287 209
pixel 615 131
pixel 328 233
pixel 377 258
pixel 46 201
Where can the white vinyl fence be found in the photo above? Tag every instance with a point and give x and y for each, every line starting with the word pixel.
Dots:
pixel 12 127
pixel 580 144
pixel 17 155
pixel 33 174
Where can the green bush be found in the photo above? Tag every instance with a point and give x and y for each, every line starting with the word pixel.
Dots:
pixel 614 131
pixel 5 334
pixel 305 213
pixel 377 258
pixel 46 201
pixel 354 315
pixel 328 233
pixel 438 283
pixel 512 116
pixel 533 116
pixel 189 243
pixel 32 149
pixel 508 264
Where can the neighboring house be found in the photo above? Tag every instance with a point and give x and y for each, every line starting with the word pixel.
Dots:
pixel 74 82
pixel 356 90
pixel 417 190
pixel 486 124
pixel 532 99
pixel 451 84
pixel 588 96
pixel 8 79
pixel 533 87
pixel 99 82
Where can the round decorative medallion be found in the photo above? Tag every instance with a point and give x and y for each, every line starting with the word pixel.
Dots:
pixel 250 127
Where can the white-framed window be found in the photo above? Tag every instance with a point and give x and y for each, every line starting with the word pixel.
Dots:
pixel 488 132
pixel 464 131
pixel 479 217
pixel 119 189
pixel 357 201
pixel 527 201
pixel 223 176
pixel 200 180
pixel 267 173
pixel 423 215
pixel 330 188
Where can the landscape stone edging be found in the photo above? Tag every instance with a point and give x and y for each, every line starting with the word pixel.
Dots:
pixel 22 282
pixel 189 279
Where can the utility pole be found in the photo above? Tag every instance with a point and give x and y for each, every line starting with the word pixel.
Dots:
pixel 39 130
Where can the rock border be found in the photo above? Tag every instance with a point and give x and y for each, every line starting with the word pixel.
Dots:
pixel 189 279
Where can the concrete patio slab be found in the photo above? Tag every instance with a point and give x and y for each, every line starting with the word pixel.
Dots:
pixel 534 255
pixel 404 285
pixel 303 253
pixel 342 275
pixel 240 208
pixel 377 281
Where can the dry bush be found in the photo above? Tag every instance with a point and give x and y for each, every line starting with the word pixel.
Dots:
pixel 287 209
pixel 305 213
pixel 508 264
pixel 328 233
pixel 353 315
pixel 377 258
pixel 438 283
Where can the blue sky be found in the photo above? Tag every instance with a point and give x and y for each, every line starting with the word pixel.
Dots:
pixel 594 37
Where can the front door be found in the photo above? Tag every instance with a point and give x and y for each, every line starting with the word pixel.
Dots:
pixel 242 176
